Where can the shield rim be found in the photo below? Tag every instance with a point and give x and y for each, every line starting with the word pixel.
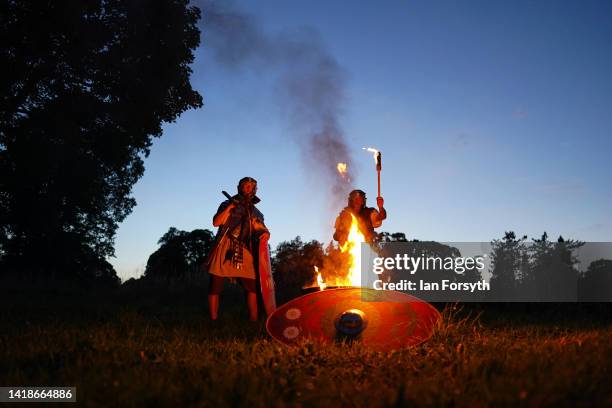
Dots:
pixel 436 311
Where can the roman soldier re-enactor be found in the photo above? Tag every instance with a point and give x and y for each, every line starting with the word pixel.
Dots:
pixel 368 218
pixel 241 226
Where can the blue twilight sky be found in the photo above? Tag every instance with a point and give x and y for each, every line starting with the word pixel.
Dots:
pixel 490 115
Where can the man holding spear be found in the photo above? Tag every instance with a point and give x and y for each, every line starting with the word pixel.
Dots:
pixel 241 250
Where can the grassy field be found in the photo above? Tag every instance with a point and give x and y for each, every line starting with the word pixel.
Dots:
pixel 159 349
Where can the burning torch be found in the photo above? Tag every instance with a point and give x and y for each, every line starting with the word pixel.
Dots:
pixel 378 161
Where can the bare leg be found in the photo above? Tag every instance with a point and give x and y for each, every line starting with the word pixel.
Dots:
pixel 213 306
pixel 252 305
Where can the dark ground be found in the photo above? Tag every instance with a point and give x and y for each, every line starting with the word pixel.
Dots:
pixel 156 347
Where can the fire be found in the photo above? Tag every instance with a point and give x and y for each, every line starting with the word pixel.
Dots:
pixel 374 151
pixel 352 247
pixel 342 169
pixel 320 282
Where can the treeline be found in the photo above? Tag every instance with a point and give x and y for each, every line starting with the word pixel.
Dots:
pixel 543 270
pixel 519 270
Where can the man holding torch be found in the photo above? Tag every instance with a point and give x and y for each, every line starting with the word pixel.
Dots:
pixel 368 218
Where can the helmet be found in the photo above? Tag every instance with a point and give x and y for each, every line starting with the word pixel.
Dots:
pixel 245 180
pixel 353 194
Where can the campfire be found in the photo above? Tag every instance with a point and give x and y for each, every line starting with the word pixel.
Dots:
pixel 342 267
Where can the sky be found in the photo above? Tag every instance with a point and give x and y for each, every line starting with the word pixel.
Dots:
pixel 490 116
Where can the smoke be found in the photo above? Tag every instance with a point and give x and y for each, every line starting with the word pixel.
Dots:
pixel 311 84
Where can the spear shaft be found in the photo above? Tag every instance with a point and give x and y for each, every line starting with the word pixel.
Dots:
pixel 378 169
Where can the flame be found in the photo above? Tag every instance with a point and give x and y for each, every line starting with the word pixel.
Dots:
pixel 353 247
pixel 374 151
pixel 342 169
pixel 320 282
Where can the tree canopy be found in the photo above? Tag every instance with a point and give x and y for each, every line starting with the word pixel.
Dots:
pixel 86 86
pixel 180 255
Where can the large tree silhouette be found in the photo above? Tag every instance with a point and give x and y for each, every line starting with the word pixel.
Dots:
pixel 86 85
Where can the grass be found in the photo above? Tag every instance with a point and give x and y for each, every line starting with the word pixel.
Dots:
pixel 159 349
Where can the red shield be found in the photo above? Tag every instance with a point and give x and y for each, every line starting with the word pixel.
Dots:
pixel 385 320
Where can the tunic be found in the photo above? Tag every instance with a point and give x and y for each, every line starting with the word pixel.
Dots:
pixel 237 240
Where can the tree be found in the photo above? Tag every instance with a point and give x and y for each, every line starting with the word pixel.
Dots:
pixel 391 237
pixel 596 282
pixel 180 256
pixel 553 268
pixel 508 260
pixel 86 86
pixel 293 265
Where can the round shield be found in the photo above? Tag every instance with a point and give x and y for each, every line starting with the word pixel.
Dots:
pixel 386 320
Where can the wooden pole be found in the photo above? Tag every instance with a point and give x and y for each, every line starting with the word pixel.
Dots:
pixel 378 169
